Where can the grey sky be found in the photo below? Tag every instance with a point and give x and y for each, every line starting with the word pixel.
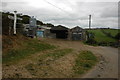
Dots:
pixel 70 13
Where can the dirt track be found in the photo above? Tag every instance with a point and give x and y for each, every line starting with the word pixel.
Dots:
pixel 61 68
pixel 108 65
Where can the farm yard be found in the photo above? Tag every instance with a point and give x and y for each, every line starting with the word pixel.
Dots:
pixel 58 58
pixel 66 39
pixel 58 52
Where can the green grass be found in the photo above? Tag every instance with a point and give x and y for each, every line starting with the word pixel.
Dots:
pixel 113 32
pixel 101 37
pixel 85 61
pixel 29 47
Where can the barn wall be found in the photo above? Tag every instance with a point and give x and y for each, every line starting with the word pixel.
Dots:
pixel 77 33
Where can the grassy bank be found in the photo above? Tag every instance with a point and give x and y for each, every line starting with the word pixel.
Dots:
pixel 23 48
pixel 85 61
pixel 113 32
pixel 101 37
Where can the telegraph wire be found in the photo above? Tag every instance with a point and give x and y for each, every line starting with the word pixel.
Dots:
pixel 56 7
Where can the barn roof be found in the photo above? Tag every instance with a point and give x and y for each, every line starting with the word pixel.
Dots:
pixel 77 27
pixel 59 28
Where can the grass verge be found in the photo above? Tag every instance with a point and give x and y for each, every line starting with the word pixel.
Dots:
pixel 85 61
pixel 28 47
pixel 43 63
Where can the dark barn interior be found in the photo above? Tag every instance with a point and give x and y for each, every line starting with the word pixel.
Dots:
pixel 62 34
pixel 60 31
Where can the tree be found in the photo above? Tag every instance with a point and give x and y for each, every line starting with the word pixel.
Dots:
pixel 39 22
pixel 6 23
pixel 49 25
pixel 25 19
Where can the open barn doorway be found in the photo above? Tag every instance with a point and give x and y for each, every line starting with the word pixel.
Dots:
pixel 61 34
pixel 60 31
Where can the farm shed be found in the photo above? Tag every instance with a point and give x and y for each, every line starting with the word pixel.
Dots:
pixel 60 31
pixel 77 33
pixel 43 31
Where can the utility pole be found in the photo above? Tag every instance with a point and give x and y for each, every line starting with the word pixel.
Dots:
pixel 89 21
pixel 15 19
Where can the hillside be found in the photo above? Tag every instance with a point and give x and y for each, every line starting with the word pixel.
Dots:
pixel 101 37
pixel 113 32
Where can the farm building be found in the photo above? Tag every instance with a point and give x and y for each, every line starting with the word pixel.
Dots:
pixel 60 31
pixel 43 31
pixel 77 33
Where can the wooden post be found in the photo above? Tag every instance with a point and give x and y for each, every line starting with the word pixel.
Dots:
pixel 89 21
pixel 15 18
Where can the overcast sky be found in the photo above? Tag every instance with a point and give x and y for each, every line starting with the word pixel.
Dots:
pixel 69 13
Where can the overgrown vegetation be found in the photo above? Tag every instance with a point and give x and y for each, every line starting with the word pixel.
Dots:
pixel 117 36
pixel 7 24
pixel 85 61
pixel 91 39
pixel 25 48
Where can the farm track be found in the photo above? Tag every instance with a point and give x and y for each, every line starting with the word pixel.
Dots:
pixel 108 65
pixel 62 67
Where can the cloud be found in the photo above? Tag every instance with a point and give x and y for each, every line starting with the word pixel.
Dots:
pixel 70 13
